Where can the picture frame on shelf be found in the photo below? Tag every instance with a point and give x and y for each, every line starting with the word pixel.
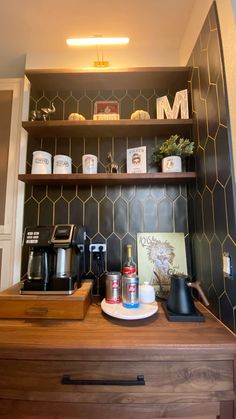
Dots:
pixel 106 110
pixel 136 160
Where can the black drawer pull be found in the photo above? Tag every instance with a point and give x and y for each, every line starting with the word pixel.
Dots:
pixel 66 380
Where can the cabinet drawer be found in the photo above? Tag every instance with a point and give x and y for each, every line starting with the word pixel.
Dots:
pixel 196 377
pixel 38 410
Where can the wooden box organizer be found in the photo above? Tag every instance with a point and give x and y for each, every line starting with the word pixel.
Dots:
pixel 15 305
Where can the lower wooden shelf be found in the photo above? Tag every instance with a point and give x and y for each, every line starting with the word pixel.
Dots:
pixel 109 178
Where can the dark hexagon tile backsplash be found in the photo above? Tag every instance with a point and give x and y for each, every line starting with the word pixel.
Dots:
pixel 116 213
pixel 213 200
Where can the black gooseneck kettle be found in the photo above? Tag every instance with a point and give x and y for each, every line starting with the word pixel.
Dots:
pixel 180 299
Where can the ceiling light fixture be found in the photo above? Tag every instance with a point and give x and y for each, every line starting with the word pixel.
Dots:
pixel 97 40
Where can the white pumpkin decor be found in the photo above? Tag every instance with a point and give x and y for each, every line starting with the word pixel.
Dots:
pixel 140 114
pixel 76 117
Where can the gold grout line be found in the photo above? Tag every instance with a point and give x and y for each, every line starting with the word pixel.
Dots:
pixel 217 319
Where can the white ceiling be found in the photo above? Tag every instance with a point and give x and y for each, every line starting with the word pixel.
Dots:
pixel 38 29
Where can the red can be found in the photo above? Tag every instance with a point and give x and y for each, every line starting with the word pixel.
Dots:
pixel 113 287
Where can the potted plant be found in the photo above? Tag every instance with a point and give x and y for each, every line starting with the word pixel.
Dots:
pixel 171 152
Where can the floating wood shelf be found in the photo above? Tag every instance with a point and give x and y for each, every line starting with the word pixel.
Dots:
pixel 124 78
pixel 109 179
pixel 122 127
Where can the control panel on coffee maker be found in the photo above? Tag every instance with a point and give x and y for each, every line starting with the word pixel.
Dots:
pixel 55 258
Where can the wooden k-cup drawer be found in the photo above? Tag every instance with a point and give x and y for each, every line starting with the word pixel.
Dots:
pixel 72 378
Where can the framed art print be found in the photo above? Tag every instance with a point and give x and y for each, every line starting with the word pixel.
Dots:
pixel 160 255
pixel 136 160
pixel 106 110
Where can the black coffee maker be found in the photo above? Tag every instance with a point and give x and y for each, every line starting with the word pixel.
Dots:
pixel 68 245
pixel 55 259
pixel 40 267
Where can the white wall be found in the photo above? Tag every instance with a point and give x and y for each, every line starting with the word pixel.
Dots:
pixel 228 33
pixel 192 30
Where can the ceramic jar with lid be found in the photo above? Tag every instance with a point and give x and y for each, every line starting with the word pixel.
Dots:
pixel 146 293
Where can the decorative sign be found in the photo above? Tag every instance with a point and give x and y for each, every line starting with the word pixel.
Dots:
pixel 106 110
pixel 136 160
pixel 159 255
pixel 180 105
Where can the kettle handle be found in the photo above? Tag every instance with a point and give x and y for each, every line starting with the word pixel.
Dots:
pixel 196 285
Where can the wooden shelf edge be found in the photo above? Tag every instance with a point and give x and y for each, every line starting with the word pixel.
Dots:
pixel 120 122
pixel 121 127
pixel 63 70
pixel 107 178
pixel 111 78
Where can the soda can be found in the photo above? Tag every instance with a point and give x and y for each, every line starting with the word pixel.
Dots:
pixel 113 287
pixel 130 291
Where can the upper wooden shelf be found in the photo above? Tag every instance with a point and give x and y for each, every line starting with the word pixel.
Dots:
pixel 122 127
pixel 124 78
pixel 109 178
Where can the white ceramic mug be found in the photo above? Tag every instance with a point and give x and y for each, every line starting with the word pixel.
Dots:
pixel 146 293
pixel 89 163
pixel 42 163
pixel 62 164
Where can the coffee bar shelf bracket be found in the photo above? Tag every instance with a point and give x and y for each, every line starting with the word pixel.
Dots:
pixel 109 179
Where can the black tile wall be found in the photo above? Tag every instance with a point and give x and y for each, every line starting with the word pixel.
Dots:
pixel 212 227
pixel 114 214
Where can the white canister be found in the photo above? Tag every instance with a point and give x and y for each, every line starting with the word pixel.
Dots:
pixel 89 163
pixel 146 293
pixel 42 163
pixel 62 164
pixel 172 164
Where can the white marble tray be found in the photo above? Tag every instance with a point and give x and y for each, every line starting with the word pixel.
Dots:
pixel 120 312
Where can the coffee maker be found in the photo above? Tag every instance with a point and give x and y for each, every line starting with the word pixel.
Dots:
pixel 55 259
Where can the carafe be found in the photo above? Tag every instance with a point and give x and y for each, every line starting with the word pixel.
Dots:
pixel 38 265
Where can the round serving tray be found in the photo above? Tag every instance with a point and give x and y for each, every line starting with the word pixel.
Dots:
pixel 120 312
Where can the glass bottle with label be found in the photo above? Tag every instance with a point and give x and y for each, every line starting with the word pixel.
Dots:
pixel 129 267
pixel 130 281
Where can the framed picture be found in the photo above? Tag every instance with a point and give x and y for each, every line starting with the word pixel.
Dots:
pixel 159 255
pixel 136 160
pixel 108 109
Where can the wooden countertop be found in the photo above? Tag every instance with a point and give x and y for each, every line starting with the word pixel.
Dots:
pixel 99 336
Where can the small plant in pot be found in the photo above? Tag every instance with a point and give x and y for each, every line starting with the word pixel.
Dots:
pixel 171 152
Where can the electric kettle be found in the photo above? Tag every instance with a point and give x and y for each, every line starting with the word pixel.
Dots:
pixel 180 299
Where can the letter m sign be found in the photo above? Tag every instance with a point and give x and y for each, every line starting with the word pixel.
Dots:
pixel 180 106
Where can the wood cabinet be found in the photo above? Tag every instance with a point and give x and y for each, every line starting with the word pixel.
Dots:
pixel 110 368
